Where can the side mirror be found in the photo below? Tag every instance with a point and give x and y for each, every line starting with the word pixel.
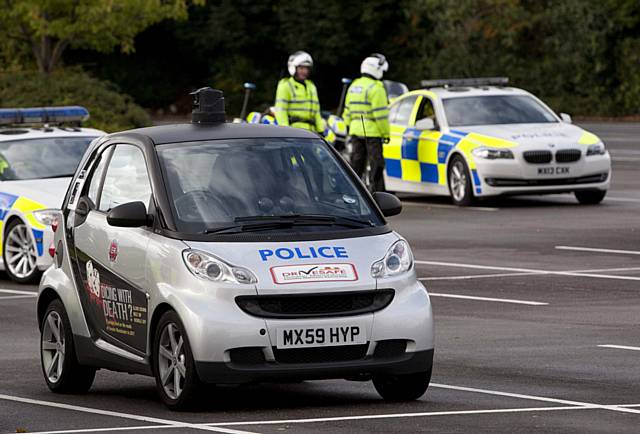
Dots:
pixel 388 203
pixel 128 215
pixel 426 124
pixel 566 118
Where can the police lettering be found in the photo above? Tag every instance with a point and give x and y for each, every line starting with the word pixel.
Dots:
pixel 286 254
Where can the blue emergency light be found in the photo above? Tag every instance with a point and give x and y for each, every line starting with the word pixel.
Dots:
pixel 43 115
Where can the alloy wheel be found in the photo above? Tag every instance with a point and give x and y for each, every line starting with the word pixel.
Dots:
pixel 20 252
pixel 53 346
pixel 172 361
pixel 458 181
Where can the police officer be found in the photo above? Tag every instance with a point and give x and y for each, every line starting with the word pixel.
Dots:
pixel 366 114
pixel 297 103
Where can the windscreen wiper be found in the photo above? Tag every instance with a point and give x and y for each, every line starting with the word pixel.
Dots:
pixel 310 219
pixel 259 223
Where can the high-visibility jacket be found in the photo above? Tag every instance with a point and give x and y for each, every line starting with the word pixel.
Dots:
pixel 366 108
pixel 297 105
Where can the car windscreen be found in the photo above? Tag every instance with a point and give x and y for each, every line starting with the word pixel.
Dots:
pixel 495 110
pixel 51 157
pixel 219 184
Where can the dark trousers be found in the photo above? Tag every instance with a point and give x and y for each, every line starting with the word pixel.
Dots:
pixel 368 150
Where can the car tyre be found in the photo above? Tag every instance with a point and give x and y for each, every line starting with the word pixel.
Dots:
pixel 590 197
pixel 173 365
pixel 19 253
pixel 460 182
pixel 408 387
pixel 58 358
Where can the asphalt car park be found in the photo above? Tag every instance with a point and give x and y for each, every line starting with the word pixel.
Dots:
pixel 535 302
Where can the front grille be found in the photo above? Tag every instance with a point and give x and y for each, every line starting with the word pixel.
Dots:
pixel 513 182
pixel 342 353
pixel 316 304
pixel 390 348
pixel 247 355
pixel 568 155
pixel 537 157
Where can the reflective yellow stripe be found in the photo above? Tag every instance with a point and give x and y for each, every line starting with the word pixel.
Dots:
pixel 26 207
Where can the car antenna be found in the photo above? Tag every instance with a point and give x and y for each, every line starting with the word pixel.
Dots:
pixel 208 106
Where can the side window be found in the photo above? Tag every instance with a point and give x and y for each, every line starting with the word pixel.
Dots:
pixel 126 179
pixel 405 109
pixel 393 111
pixel 96 176
pixel 426 110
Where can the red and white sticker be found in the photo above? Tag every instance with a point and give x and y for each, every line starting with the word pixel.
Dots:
pixel 314 273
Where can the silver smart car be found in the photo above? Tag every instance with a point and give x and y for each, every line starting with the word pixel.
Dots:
pixel 225 254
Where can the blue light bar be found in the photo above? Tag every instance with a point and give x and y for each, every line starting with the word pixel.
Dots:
pixel 43 115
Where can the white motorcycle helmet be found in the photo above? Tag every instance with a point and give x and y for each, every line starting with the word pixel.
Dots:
pixel 375 65
pixel 299 58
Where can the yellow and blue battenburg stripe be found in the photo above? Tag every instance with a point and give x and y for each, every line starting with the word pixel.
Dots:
pixel 422 156
pixel 26 207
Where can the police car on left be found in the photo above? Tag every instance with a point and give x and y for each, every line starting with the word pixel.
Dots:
pixel 39 151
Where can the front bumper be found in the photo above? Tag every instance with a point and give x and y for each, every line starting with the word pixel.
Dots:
pixel 230 373
pixel 512 177
pixel 230 346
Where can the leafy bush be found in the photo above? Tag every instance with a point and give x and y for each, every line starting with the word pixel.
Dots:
pixel 110 110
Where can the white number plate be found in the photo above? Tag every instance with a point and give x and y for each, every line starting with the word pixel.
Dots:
pixel 553 170
pixel 303 337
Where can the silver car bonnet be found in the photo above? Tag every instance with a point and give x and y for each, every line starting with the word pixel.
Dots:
pixel 306 266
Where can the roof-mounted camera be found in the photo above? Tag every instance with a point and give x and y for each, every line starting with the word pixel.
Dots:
pixel 208 106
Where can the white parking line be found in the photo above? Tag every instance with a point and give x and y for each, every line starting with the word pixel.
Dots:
pixel 476 276
pixel 15 291
pixel 622 199
pixel 499 300
pixel 620 347
pixel 332 419
pixel 14 297
pixel 446 206
pixel 171 423
pixel 528 270
pixel 538 398
pixel 597 250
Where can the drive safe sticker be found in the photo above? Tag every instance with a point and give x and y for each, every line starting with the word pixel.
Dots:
pixel 314 273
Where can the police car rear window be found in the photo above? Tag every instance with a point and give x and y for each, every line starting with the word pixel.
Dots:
pixel 216 182
pixel 495 110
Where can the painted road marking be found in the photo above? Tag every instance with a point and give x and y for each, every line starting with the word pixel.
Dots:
pixel 15 291
pixel 527 270
pixel 334 419
pixel 622 199
pixel 446 206
pixel 499 300
pixel 596 250
pixel 538 398
pixel 14 297
pixel 477 276
pixel 171 423
pixel 620 347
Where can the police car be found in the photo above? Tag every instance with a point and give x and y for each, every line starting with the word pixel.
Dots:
pixel 39 151
pixel 216 252
pixel 474 138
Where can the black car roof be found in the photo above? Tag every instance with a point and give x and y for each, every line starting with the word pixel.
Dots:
pixel 177 133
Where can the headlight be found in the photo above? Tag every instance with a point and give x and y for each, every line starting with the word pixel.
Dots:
pixel 397 260
pixel 597 149
pixel 46 216
pixel 492 153
pixel 209 267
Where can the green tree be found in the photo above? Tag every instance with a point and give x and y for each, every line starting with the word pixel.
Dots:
pixel 49 27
